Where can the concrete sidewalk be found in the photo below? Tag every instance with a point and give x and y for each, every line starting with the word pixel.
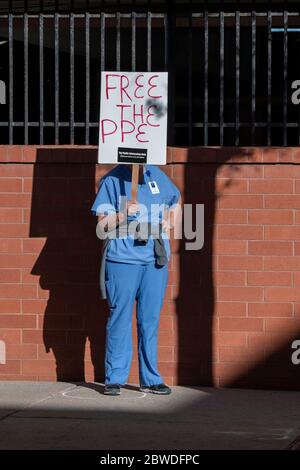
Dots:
pixel 45 415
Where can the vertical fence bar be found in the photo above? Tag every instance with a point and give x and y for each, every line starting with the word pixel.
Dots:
pixel 190 79
pixel 269 79
pixel 25 78
pixel 133 41
pixel 221 119
pixel 102 40
pixel 253 75
pixel 118 44
pixel 41 72
pixel 72 78
pixel 205 77
pixel 237 77
pixel 285 65
pixel 11 77
pixel 56 67
pixel 170 35
pixel 148 41
pixel 102 44
pixel 299 106
pixel 166 41
pixel 87 78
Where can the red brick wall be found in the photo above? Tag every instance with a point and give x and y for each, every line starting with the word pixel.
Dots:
pixel 232 309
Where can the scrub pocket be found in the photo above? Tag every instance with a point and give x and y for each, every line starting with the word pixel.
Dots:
pixel 110 292
pixel 110 286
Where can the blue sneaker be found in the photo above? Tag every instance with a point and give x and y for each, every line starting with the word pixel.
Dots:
pixel 112 389
pixel 159 389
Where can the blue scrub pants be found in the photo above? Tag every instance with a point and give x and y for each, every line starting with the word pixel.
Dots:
pixel 126 283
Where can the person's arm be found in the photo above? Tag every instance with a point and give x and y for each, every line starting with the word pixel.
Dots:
pixel 109 222
pixel 106 223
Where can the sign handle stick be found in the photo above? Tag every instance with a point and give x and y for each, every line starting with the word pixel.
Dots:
pixel 134 182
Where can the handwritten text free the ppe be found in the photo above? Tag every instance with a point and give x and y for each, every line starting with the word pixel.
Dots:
pixel 133 118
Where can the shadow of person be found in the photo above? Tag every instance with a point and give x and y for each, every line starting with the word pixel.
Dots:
pixel 100 387
pixel 68 265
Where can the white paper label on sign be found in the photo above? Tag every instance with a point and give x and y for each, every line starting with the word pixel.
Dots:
pixel 153 187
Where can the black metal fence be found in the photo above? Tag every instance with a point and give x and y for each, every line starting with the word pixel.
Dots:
pixel 232 73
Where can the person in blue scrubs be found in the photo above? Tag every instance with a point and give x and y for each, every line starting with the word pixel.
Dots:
pixel 133 271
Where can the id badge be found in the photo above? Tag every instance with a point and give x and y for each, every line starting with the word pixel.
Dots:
pixel 153 187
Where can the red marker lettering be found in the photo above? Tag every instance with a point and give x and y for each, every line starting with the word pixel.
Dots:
pixel 152 86
pixel 151 114
pixel 104 134
pixel 123 132
pixel 135 114
pixel 122 106
pixel 106 83
pixel 138 85
pixel 140 133
pixel 123 88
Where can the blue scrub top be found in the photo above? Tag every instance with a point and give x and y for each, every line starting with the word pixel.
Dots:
pixel 117 183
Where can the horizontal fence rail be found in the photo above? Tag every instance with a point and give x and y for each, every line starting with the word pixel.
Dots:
pixel 232 73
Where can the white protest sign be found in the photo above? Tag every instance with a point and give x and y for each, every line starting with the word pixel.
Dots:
pixel 133 117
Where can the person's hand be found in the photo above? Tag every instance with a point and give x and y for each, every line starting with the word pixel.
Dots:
pixel 132 207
